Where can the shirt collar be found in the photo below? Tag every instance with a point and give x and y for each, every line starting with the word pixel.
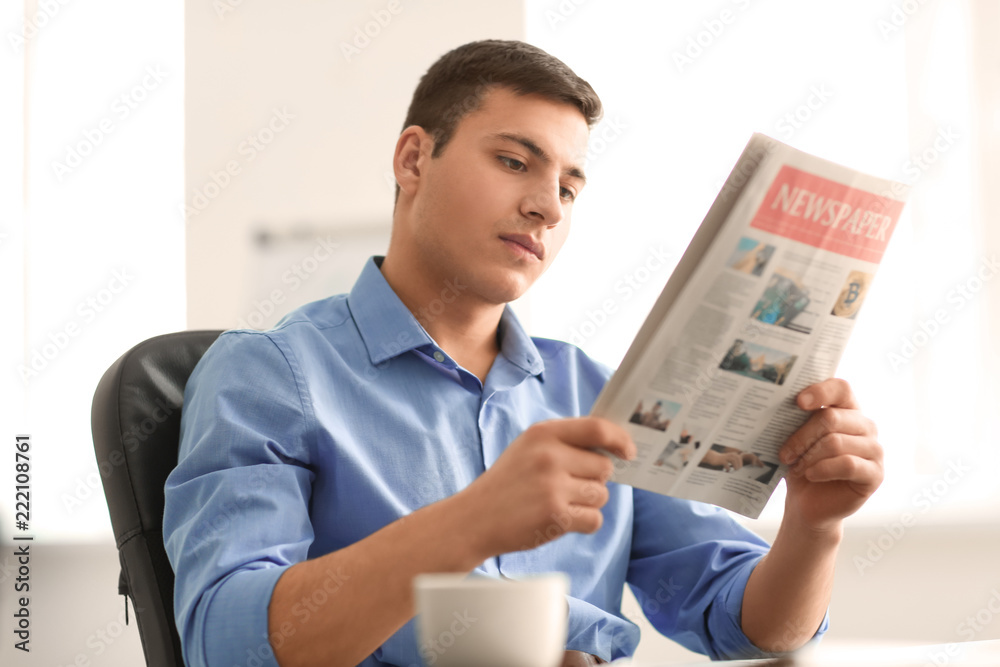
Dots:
pixel 389 329
pixel 516 345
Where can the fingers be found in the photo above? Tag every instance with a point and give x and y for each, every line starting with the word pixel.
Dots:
pixel 821 424
pixel 586 519
pixel 585 500
pixel 865 475
pixel 829 393
pixel 836 410
pixel 550 452
pixel 569 471
pixel 834 445
pixel 586 464
pixel 578 508
pixel 591 433
pixel 589 493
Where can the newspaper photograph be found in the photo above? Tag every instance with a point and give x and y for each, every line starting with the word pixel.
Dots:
pixel 760 306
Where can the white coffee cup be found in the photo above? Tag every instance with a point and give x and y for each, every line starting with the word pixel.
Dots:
pixel 478 621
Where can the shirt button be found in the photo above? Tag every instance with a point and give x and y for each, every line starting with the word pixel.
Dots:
pixel 438 356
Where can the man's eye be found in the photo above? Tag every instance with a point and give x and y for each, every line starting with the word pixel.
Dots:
pixel 510 162
pixel 567 194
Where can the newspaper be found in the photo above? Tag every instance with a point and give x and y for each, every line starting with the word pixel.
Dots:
pixel 759 307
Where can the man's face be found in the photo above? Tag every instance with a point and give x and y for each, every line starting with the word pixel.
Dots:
pixel 493 210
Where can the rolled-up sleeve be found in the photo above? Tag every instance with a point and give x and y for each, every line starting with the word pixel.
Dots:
pixel 237 504
pixel 690 563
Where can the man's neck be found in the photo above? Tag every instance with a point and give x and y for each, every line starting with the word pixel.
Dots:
pixel 462 326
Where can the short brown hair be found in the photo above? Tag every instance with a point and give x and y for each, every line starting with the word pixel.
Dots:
pixel 455 85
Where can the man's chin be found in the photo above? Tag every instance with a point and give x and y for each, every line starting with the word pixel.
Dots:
pixel 500 293
pixel 517 283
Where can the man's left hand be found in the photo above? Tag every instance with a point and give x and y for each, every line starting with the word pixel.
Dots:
pixel 835 457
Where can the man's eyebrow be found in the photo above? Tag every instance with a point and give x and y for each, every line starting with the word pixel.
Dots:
pixel 538 152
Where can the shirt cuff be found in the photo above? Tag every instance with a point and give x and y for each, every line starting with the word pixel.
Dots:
pixel 724 620
pixel 598 632
pixel 235 627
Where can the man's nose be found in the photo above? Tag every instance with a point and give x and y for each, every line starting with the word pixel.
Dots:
pixel 544 204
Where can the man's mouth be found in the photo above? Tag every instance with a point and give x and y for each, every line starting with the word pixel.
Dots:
pixel 525 241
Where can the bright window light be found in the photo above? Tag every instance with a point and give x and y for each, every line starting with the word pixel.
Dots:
pixel 684 87
pixel 99 247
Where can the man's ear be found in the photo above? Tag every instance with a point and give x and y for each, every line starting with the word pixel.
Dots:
pixel 413 149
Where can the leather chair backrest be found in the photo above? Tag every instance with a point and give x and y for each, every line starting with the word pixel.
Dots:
pixel 135 421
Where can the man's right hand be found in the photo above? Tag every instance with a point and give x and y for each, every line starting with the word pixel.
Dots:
pixel 549 481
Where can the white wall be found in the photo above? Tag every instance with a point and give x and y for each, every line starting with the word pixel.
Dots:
pixel 91 146
pixel 327 174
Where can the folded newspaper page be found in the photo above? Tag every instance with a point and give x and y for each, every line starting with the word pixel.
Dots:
pixel 759 307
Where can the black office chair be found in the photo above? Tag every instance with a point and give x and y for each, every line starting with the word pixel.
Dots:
pixel 136 419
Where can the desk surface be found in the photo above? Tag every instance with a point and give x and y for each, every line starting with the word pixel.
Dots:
pixel 959 654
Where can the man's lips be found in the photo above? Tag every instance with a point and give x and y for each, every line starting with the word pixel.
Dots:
pixel 528 243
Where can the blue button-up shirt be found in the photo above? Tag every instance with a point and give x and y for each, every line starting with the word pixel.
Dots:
pixel 347 416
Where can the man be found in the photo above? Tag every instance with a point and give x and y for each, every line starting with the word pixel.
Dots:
pixel 412 426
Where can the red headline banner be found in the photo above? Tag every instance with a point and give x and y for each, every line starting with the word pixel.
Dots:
pixel 810 209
